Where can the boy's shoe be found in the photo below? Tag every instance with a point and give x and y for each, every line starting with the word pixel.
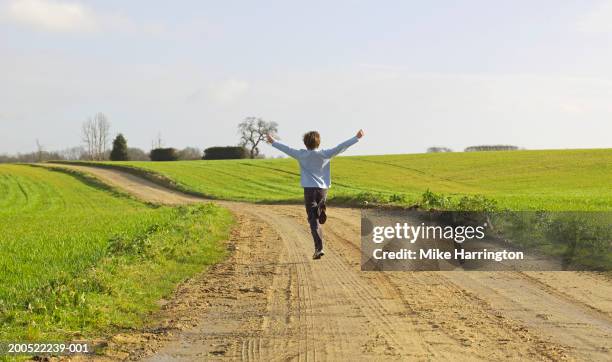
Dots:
pixel 322 215
pixel 318 254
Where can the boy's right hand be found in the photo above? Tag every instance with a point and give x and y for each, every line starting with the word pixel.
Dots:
pixel 360 133
pixel 270 139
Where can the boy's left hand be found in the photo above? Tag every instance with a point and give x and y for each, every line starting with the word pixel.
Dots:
pixel 269 138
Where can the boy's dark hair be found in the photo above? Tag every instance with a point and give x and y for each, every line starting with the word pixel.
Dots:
pixel 312 140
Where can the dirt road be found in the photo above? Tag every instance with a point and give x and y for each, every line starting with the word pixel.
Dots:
pixel 270 301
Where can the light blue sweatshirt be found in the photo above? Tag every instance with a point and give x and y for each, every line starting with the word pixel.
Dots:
pixel 314 164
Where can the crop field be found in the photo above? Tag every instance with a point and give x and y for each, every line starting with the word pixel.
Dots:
pixel 76 253
pixel 519 180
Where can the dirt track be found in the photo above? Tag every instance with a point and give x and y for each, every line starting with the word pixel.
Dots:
pixel 270 301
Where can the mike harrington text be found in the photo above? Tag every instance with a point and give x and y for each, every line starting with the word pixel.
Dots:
pixel 437 254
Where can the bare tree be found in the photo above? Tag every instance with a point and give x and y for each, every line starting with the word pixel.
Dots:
pixel 39 151
pixel 252 131
pixel 96 136
pixel 190 153
pixel 88 138
pixel 73 153
pixel 103 135
pixel 31 157
pixel 157 142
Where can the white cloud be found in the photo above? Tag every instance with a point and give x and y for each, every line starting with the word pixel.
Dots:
pixel 598 20
pixel 227 91
pixel 51 15
pixel 70 16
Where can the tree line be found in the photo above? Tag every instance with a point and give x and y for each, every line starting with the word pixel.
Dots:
pixel 96 136
pixel 437 149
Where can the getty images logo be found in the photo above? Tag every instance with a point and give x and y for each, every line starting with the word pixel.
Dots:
pixel 412 233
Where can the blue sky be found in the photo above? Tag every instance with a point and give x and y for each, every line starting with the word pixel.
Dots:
pixel 413 74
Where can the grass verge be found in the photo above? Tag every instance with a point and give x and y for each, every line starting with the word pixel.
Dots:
pixel 81 260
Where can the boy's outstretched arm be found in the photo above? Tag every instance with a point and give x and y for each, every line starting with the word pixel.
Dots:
pixel 329 153
pixel 283 148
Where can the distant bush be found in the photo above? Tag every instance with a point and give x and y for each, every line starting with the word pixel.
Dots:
pixel 190 153
pixel 163 154
pixel 120 149
pixel 438 149
pixel 225 153
pixel 136 154
pixel 491 148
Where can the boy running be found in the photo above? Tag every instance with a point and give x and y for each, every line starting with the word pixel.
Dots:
pixel 315 178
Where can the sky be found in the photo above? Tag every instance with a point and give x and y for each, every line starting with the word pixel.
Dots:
pixel 412 74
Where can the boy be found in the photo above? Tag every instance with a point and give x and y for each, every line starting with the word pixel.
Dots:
pixel 315 178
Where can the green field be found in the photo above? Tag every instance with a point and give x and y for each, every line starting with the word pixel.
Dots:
pixel 75 254
pixel 519 180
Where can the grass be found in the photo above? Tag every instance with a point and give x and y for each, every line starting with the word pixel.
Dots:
pixel 76 254
pixel 577 239
pixel 518 180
